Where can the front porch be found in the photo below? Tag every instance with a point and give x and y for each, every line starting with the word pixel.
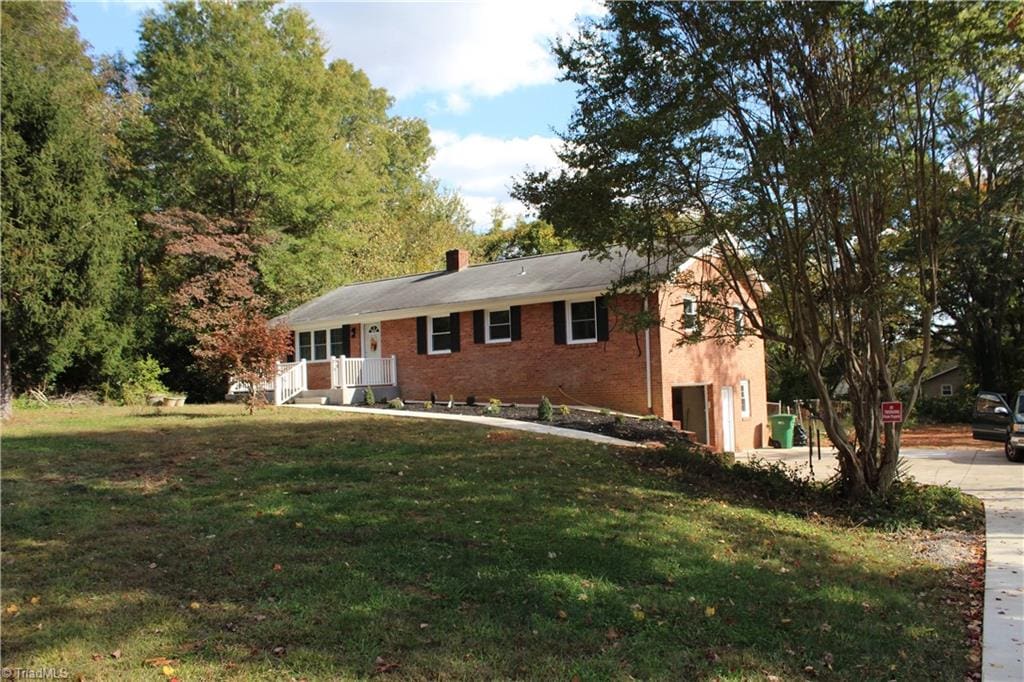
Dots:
pixel 335 381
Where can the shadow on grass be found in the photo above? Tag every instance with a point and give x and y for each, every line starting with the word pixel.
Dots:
pixel 330 546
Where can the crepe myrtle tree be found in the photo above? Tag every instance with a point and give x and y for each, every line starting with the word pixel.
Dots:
pixel 802 145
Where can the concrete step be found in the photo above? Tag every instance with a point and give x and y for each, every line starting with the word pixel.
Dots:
pixel 310 400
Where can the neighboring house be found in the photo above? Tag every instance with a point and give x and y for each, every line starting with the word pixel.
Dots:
pixel 944 384
pixel 524 328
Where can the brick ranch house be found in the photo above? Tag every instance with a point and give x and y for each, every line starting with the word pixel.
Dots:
pixel 524 328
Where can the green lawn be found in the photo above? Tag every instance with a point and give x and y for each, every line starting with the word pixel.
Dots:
pixel 309 544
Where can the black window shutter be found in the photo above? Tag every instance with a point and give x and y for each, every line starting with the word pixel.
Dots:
pixel 346 340
pixel 421 335
pixel 558 309
pixel 602 318
pixel 456 345
pixel 478 326
pixel 516 322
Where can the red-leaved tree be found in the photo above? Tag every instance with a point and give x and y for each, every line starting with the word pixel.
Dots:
pixel 207 269
pixel 246 347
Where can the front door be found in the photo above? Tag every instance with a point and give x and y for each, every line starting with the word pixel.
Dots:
pixel 728 427
pixel 371 340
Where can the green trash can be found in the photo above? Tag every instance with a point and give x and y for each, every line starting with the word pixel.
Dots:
pixel 783 426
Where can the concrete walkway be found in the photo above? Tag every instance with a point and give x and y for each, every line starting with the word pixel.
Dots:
pixel 495 422
pixel 987 474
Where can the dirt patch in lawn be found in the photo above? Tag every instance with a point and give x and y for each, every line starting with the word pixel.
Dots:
pixel 611 424
pixel 944 436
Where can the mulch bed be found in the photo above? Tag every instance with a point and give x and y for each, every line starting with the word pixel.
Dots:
pixel 618 426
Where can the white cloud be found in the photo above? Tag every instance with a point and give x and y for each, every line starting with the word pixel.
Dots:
pixel 472 49
pixel 482 168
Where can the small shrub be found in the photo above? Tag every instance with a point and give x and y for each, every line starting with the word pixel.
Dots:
pixel 141 379
pixel 954 409
pixel 564 410
pixel 428 404
pixel 620 419
pixel 368 397
pixel 493 406
pixel 396 404
pixel 544 411
pixel 605 411
pixel 471 400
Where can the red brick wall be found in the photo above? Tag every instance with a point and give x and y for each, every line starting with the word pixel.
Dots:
pixel 716 364
pixel 605 374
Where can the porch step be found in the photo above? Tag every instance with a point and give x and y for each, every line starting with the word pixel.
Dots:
pixel 310 400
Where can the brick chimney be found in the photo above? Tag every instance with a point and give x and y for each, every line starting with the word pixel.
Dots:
pixel 456 260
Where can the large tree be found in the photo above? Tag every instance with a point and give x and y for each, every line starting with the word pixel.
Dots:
pixel 805 142
pixel 982 290
pixel 65 232
pixel 248 120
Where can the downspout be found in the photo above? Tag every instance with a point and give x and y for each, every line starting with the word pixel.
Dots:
pixel 647 359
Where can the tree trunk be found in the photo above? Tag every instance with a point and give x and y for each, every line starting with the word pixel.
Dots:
pixel 6 389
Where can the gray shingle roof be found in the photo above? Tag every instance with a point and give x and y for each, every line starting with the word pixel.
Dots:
pixel 555 274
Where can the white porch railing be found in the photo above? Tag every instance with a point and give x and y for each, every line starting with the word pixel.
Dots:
pixel 348 372
pixel 291 381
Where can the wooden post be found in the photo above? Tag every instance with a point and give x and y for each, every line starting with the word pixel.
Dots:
pixel 342 379
pixel 277 385
pixel 394 370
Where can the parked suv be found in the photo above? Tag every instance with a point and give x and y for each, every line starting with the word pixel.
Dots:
pixel 995 420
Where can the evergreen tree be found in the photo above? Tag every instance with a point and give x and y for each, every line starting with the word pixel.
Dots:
pixel 65 231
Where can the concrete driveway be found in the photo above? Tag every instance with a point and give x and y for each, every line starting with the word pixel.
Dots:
pixel 986 473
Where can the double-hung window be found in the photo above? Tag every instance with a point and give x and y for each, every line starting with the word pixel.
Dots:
pixel 320 344
pixel 689 315
pixel 582 321
pixel 305 345
pixel 738 321
pixel 499 326
pixel 947 390
pixel 744 398
pixel 337 342
pixel 440 335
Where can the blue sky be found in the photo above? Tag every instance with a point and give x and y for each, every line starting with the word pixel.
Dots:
pixel 480 73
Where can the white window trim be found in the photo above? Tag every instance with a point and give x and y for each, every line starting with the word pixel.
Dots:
pixel 298 346
pixel 487 325
pixel 745 398
pixel 689 329
pixel 430 335
pixel 568 321
pixel 942 390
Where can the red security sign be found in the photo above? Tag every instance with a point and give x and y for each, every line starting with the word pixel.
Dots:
pixel 892 412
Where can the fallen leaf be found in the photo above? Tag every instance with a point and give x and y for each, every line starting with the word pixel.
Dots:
pixel 612 634
pixel 277 651
pixel 115 654
pixel 153 565
pixel 34 600
pixel 12 609
pixel 159 661
pixel 168 671
pixel 298 524
pixel 709 611
pixel 277 567
pixel 562 615
pixel 96 657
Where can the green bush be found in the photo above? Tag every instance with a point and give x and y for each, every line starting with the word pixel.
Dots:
pixel 955 409
pixel 620 418
pixel 368 397
pixel 564 410
pixel 427 405
pixel 141 379
pixel 544 411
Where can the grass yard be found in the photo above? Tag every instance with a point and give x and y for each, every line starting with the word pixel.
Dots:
pixel 316 545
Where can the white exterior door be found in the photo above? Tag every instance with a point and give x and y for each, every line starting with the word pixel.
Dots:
pixel 728 424
pixel 371 340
